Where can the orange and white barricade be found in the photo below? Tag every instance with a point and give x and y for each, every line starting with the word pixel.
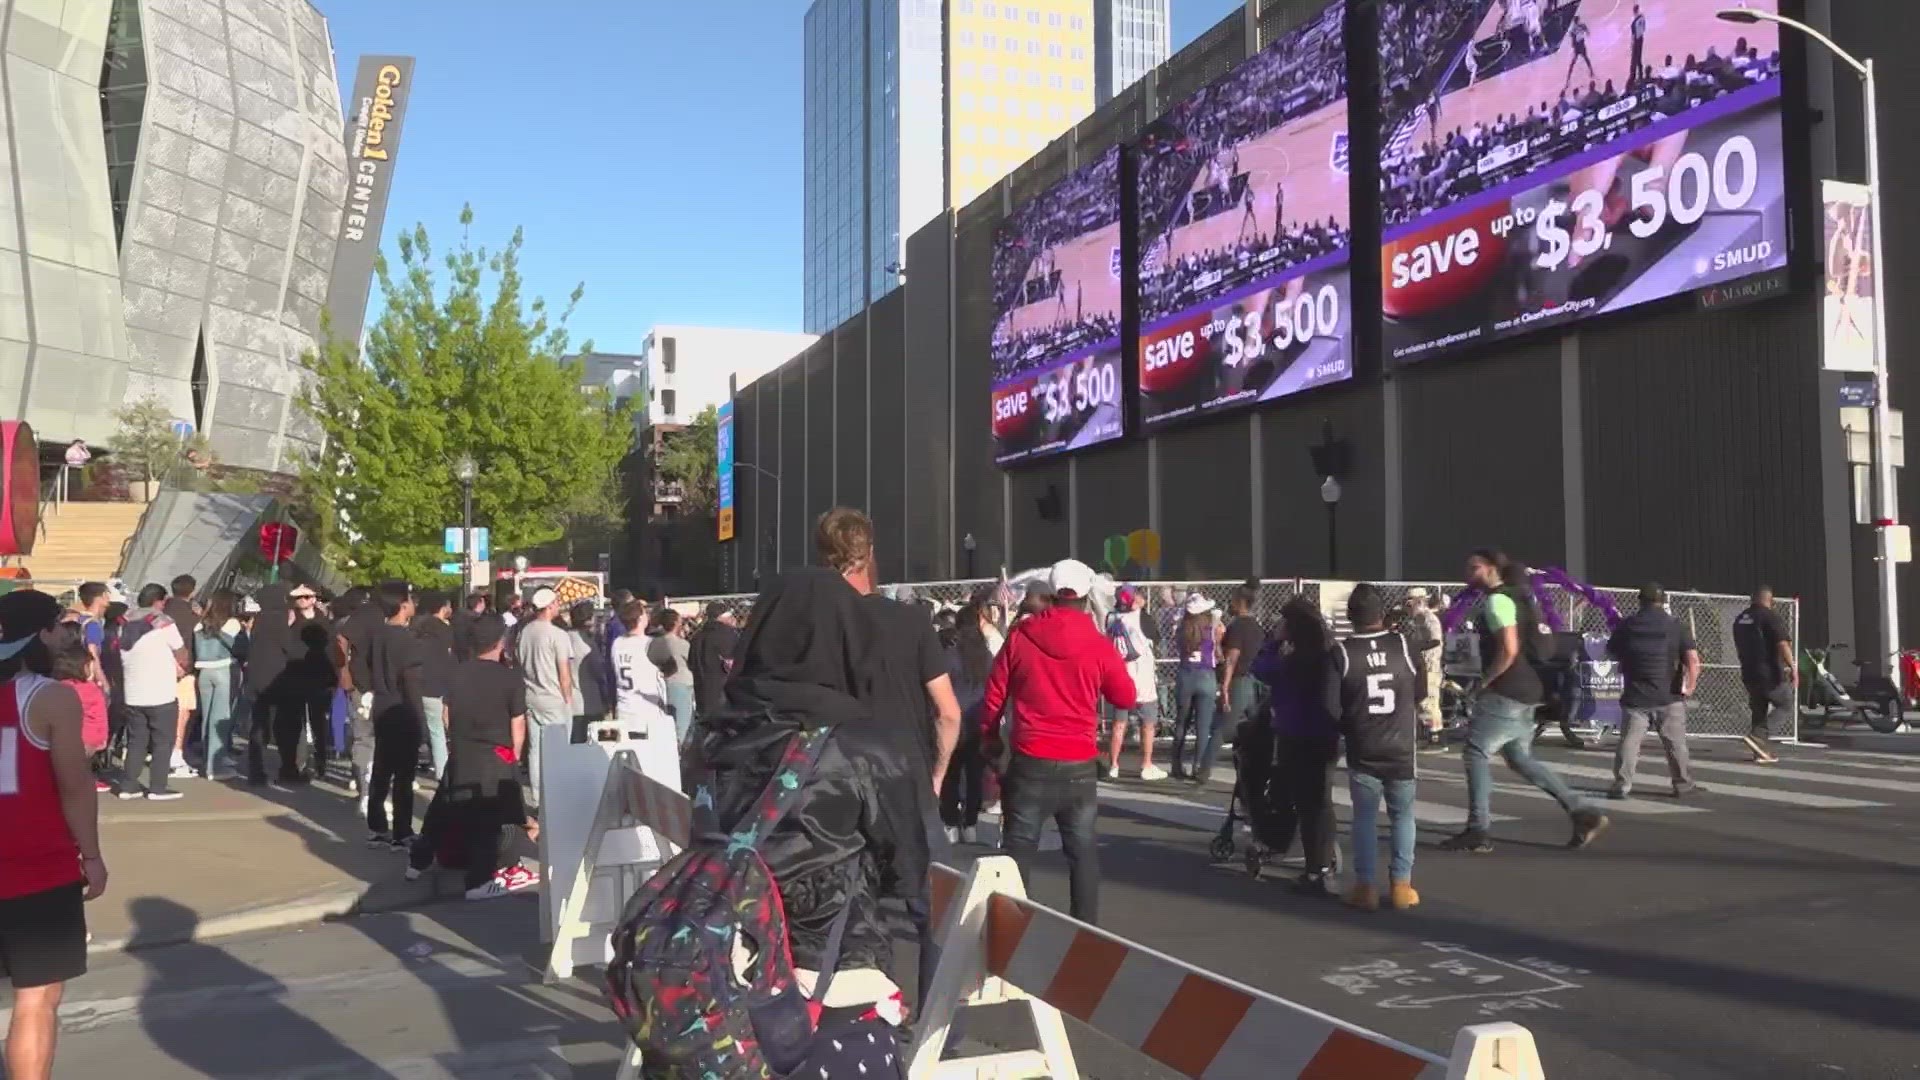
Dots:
pixel 640 821
pixel 999 946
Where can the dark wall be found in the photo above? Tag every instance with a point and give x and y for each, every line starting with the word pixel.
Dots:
pixel 927 410
pixel 850 429
pixel 1702 449
pixel 792 530
pixel 739 555
pixel 1111 486
pixel 976 481
pixel 1294 515
pixel 818 382
pixel 1040 524
pixel 1206 500
pixel 1480 461
pixel 887 500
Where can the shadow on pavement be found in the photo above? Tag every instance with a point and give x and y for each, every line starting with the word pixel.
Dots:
pixel 186 969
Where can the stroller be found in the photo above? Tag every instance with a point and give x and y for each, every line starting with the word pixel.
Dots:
pixel 1273 827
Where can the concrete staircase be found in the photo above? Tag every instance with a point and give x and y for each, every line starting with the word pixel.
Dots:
pixel 82 541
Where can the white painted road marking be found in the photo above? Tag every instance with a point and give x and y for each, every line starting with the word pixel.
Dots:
pixel 1789 798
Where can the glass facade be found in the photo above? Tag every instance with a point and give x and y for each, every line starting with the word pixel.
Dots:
pixel 123 99
pixel 1133 39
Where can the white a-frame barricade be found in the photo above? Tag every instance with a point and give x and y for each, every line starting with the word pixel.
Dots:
pixel 998 946
pixel 604 848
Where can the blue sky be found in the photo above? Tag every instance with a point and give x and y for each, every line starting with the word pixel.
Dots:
pixel 650 148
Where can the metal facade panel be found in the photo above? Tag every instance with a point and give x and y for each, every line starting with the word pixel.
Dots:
pixel 1040 503
pixel 927 412
pixel 887 498
pixel 851 383
pixel 1206 500
pixel 1111 486
pixel 791 533
pixel 746 548
pixel 1294 516
pixel 976 483
pixel 817 383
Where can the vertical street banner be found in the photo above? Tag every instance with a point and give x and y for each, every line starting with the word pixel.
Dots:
pixel 723 450
pixel 379 105
pixel 1847 313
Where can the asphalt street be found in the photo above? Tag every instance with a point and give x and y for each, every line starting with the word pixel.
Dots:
pixel 1764 929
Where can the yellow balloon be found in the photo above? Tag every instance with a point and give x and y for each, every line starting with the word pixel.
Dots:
pixel 1144 546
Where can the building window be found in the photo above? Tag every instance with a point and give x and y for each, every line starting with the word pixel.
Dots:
pixel 1053 20
pixel 1054 51
pixel 966 133
pixel 1078 84
pixel 1033 48
pixel 1033 18
pixel 1013 107
pixel 666 403
pixel 966 38
pixel 1033 79
pixel 1076 23
pixel 1013 13
pixel 1013 45
pixel 966 69
pixel 989 135
pixel 966 101
pixel 667 358
pixel 988 11
pixel 966 7
pixel 1013 76
pixel 1054 81
pixel 1078 52
pixel 989 41
pixel 1056 112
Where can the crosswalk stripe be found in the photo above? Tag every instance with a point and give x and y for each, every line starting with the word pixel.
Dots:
pixel 1193 814
pixel 1634 807
pixel 1834 779
pixel 523 1059
pixel 1789 798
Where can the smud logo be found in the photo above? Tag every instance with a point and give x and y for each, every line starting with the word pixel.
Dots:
pixel 1338 154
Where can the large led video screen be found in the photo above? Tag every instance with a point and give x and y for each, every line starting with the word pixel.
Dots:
pixel 1244 233
pixel 1056 331
pixel 1547 160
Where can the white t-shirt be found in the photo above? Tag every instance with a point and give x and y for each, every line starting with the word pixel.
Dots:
pixel 639 690
pixel 151 675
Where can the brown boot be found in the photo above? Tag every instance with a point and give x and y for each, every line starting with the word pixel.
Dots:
pixel 1401 896
pixel 1364 897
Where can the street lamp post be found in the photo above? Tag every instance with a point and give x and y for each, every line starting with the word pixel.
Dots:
pixel 778 525
pixel 969 545
pixel 1330 494
pixel 1882 413
pixel 466 471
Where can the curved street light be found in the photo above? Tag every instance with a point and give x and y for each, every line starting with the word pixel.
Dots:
pixel 1882 425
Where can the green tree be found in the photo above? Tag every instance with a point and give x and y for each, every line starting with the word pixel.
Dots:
pixel 451 372
pixel 690 457
pixel 145 443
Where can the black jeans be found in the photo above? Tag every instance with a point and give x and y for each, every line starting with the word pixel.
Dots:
pixel 293 717
pixel 396 757
pixel 464 828
pixel 920 911
pixel 964 790
pixel 1770 704
pixel 1069 793
pixel 1303 785
pixel 151 729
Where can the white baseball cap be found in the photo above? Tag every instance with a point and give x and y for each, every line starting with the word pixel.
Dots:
pixel 544 597
pixel 1070 579
pixel 1198 604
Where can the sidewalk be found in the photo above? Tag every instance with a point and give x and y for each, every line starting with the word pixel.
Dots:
pixel 238 858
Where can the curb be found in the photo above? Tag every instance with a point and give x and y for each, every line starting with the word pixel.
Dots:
pixel 317 908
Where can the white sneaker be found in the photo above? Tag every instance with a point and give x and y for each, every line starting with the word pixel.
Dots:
pixel 363 805
pixel 953 835
pixel 1153 772
pixel 180 771
pixel 413 873
pixel 969 835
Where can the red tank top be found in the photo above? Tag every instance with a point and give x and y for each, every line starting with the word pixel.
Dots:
pixel 37 850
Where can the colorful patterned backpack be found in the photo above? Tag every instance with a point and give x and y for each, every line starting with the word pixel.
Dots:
pixel 702 972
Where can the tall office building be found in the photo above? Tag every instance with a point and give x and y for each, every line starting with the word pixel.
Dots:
pixel 1132 37
pixel 880 115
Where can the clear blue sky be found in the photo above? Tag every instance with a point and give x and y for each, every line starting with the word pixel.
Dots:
pixel 651 148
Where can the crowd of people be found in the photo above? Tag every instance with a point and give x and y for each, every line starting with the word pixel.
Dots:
pixel 1180 283
pixel 1447 169
pixel 1017 354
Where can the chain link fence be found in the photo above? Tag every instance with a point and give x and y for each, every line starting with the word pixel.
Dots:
pixel 1718 707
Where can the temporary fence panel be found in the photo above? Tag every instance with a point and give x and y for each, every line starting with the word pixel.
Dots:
pixel 999 946
pixel 596 851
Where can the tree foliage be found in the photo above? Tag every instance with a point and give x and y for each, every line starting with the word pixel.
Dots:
pixel 447 372
pixel 145 443
pixel 688 457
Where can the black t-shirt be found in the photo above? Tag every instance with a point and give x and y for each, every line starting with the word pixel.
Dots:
pixel 358 629
pixel 394 662
pixel 908 657
pixel 1650 645
pixel 436 654
pixel 1374 695
pixel 1757 635
pixel 1246 634
pixel 182 613
pixel 710 655
pixel 485 698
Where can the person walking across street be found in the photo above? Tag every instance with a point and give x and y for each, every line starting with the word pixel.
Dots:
pixel 152 656
pixel 1374 693
pixel 546 662
pixel 395 685
pixel 50 859
pixel 1055 668
pixel 1767 670
pixel 1659 667
pixel 1501 717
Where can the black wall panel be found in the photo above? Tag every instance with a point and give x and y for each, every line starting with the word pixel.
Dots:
pixel 887 501
pixel 850 431
pixel 1206 500
pixel 1039 506
pixel 976 480
pixel 926 415
pixel 1112 498
pixel 1295 516
pixel 740 556
pixel 1704 418
pixel 792 531
pixel 1480 458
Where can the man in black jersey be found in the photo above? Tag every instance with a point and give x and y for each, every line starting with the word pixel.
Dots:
pixel 1374 695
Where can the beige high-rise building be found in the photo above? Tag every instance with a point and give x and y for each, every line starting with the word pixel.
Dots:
pixel 1023 72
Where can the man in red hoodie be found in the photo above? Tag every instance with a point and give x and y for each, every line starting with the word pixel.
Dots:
pixel 1055 667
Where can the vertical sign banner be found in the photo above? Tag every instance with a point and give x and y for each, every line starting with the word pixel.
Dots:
pixel 723 449
pixel 379 104
pixel 1847 315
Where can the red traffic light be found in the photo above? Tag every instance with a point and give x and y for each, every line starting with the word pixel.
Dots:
pixel 277 540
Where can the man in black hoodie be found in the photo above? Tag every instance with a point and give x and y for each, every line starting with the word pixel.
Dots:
pixel 712 658
pixel 1374 694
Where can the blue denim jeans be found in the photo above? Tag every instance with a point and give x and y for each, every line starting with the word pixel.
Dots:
pixel 1368 792
pixel 680 698
pixel 1196 695
pixel 436 717
pixel 1500 725
pixel 1239 705
pixel 215 688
